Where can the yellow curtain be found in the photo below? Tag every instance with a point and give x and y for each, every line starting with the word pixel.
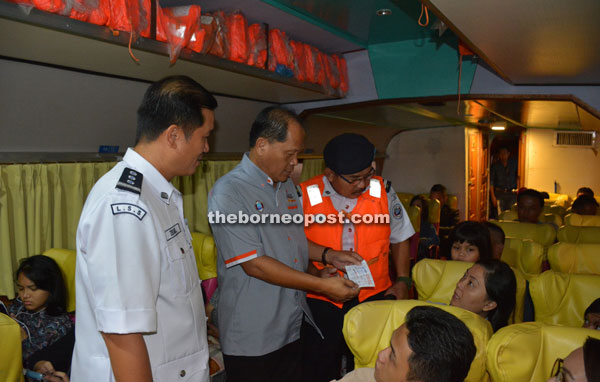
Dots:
pixel 311 167
pixel 40 205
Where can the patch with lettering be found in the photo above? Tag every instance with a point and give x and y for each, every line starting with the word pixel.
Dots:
pixel 128 208
pixel 173 231
pixel 397 211
pixel 259 206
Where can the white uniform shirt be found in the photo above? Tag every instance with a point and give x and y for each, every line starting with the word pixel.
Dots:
pixel 136 273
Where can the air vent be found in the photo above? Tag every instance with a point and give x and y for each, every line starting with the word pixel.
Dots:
pixel 575 138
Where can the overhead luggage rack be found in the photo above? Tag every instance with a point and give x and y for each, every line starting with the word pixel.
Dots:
pixel 51 39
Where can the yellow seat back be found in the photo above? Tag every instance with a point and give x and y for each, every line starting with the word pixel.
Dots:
pixel 368 329
pixel 452 201
pixel 435 210
pixel 562 200
pixel 205 251
pixel 405 198
pixel 554 209
pixel 575 258
pixel 435 281
pixel 545 234
pixel 527 351
pixel 582 220
pixel 525 255
pixel 414 214
pixel 509 215
pixel 11 361
pixel 560 298
pixel 65 258
pixel 579 234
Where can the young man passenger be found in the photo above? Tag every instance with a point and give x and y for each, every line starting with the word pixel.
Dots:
pixel 431 346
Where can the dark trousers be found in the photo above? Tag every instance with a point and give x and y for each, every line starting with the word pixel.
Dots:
pixel 283 365
pixel 322 358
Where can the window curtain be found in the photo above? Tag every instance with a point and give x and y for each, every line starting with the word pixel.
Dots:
pixel 40 205
pixel 311 167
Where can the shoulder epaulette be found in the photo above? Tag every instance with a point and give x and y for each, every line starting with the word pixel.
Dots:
pixel 131 181
pixel 299 191
pixel 388 185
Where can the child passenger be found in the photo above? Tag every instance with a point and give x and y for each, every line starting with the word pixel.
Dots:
pixel 488 289
pixel 470 242
pixel 40 310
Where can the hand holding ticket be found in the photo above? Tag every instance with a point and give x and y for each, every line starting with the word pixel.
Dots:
pixel 360 274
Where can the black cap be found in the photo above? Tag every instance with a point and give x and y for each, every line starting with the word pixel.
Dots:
pixel 348 153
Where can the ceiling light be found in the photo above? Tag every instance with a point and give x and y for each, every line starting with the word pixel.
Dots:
pixel 383 12
pixel 498 125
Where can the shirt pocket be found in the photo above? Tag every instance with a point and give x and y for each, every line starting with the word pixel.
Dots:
pixel 181 270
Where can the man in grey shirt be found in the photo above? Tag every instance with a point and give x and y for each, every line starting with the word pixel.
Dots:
pixel 263 266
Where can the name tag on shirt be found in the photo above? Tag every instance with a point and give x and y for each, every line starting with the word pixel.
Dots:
pixel 173 231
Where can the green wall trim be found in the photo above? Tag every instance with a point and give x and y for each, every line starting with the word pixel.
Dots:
pixel 419 68
pixel 306 16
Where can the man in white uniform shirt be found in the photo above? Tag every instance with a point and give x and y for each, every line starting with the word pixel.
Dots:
pixel 140 312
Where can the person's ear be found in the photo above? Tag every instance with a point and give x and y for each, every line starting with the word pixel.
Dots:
pixel 329 174
pixel 172 135
pixel 490 305
pixel 261 146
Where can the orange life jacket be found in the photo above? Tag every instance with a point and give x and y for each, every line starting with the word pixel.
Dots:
pixel 371 241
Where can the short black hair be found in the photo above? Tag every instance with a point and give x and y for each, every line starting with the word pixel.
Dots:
pixel 442 346
pixel 593 308
pixel 495 228
pixel 174 100
pixel 585 191
pixel 438 188
pixel 533 194
pixel 501 287
pixel 591 355
pixel 582 201
pixel 46 275
pixel 476 234
pixel 272 123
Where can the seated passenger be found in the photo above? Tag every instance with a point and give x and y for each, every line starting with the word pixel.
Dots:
pixel 40 309
pixel 580 366
pixel 488 289
pixel 470 242
pixel 585 205
pixel 585 191
pixel 449 217
pixel 497 237
pixel 591 317
pixel 530 204
pixel 431 346
pixel 427 234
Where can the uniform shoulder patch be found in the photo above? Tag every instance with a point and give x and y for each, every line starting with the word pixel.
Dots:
pixel 299 191
pixel 131 181
pixel 388 185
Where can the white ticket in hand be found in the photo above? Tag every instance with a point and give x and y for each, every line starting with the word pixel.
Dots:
pixel 360 274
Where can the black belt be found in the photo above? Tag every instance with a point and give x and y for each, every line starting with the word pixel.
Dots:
pixel 503 189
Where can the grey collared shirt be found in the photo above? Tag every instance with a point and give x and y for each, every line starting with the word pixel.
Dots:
pixel 256 317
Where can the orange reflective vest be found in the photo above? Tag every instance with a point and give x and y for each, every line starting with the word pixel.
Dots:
pixel 371 241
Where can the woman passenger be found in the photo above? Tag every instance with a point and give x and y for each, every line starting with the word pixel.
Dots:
pixel 488 289
pixel 470 242
pixel 40 310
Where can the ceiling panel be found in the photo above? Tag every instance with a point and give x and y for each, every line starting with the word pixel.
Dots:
pixel 530 41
